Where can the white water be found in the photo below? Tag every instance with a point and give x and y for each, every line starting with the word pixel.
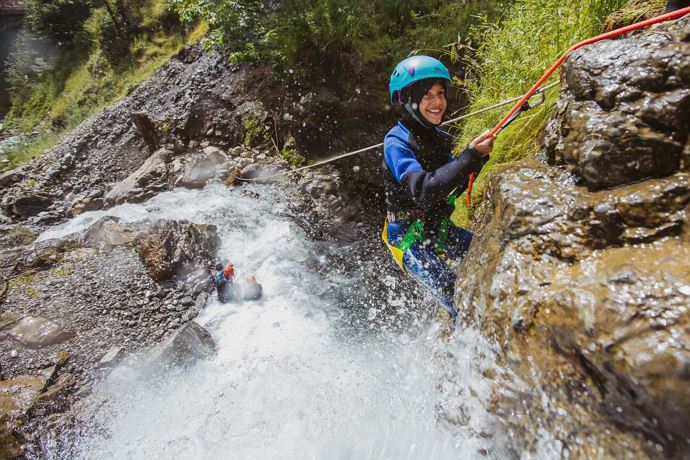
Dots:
pixel 293 377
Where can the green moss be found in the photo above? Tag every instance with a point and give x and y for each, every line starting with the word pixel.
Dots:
pixel 514 55
pixel 28 184
pixel 289 153
pixel 63 270
pixel 255 132
pixel 21 281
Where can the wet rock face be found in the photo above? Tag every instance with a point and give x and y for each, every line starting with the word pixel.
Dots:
pixel 189 344
pixel 625 108
pixel 587 290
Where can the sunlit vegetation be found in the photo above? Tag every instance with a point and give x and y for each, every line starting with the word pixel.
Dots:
pixel 513 55
pixel 100 57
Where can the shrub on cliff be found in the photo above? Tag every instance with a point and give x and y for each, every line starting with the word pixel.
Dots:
pixel 62 20
pixel 513 55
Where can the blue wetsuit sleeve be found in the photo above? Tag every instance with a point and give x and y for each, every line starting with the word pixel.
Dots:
pixel 429 187
pixel 426 188
pixel 400 158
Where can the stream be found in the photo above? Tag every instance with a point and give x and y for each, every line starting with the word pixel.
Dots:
pixel 326 366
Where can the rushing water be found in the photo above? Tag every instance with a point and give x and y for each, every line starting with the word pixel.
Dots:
pixel 299 374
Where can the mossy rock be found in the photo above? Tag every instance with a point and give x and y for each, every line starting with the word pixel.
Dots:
pixel 289 153
pixel 17 236
pixel 255 131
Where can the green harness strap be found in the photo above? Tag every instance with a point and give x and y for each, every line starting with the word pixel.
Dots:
pixel 442 236
pixel 414 233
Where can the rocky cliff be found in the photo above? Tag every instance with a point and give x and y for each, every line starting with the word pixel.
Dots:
pixel 581 266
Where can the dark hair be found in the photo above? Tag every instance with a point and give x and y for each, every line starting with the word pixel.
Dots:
pixel 416 91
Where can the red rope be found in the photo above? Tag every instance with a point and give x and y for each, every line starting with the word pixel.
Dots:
pixel 613 33
pixel 469 189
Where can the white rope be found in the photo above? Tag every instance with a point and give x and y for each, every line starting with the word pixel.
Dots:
pixel 372 147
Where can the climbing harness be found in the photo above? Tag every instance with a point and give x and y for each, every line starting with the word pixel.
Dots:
pixel 415 232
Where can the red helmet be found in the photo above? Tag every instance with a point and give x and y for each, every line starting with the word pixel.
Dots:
pixel 229 271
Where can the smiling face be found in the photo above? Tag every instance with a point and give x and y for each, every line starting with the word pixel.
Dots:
pixel 433 104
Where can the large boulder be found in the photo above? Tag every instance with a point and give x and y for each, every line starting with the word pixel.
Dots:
pixel 586 291
pixel 143 183
pixel 36 332
pixel 170 248
pixel 203 168
pixel 188 345
pixel 626 109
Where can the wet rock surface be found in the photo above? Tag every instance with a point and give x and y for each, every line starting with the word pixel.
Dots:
pixel 625 110
pixel 586 288
pixel 93 297
pixel 188 345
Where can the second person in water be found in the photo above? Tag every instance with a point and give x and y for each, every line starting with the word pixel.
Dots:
pixel 422 178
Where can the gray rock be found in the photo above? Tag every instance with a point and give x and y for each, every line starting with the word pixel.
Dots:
pixel 108 232
pixel 31 204
pixel 146 128
pixel 10 177
pixel 188 345
pixel 110 356
pixel 37 332
pixel 145 182
pixel 256 171
pixel 203 168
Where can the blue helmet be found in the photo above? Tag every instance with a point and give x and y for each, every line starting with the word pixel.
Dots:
pixel 413 69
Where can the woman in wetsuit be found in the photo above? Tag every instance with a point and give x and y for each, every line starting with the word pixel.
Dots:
pixel 422 178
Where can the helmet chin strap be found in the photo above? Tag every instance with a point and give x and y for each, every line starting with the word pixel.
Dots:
pixel 413 109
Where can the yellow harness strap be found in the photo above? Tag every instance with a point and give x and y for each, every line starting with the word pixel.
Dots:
pixel 397 253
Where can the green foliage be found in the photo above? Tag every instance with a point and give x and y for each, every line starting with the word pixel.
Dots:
pixel 25 151
pixel 255 132
pixel 62 20
pixel 289 153
pixel 113 34
pixel 57 88
pixel 300 33
pixel 513 56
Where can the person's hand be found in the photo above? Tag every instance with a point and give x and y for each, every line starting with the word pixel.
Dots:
pixel 483 144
